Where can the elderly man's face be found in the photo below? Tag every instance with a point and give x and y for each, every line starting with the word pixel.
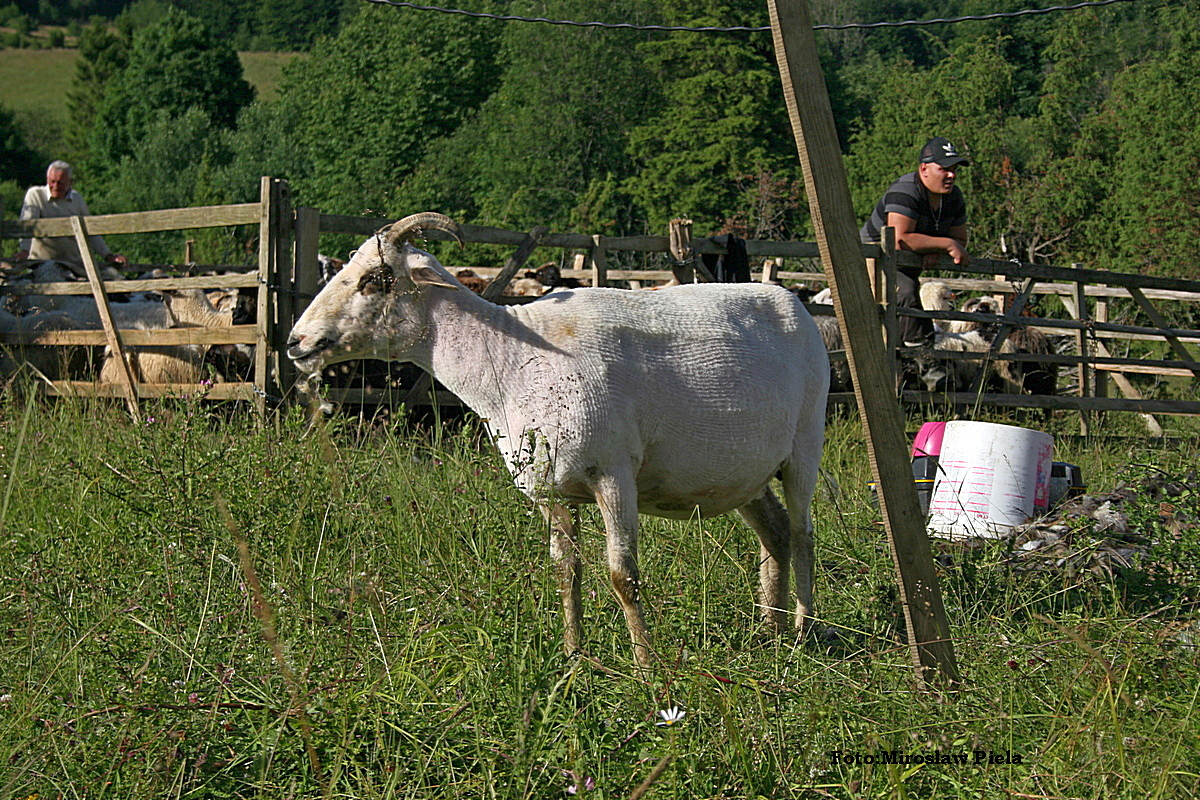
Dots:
pixel 59 182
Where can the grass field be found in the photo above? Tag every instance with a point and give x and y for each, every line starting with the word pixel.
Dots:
pixel 30 80
pixel 375 617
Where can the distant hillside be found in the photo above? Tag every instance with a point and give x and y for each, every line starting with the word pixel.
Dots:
pixel 33 81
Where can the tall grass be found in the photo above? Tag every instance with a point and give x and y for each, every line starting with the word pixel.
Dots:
pixel 375 617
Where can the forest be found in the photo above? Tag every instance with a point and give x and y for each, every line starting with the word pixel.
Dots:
pixel 1082 125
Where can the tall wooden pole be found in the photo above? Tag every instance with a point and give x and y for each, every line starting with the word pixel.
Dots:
pixel 845 269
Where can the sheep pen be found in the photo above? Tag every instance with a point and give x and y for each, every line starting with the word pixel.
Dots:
pixel 672 403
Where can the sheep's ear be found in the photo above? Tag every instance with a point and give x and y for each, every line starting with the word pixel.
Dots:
pixel 427 277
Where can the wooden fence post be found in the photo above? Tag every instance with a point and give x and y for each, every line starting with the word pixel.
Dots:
pixel 274 282
pixel 305 275
pixel 885 294
pixel 599 259
pixel 1101 376
pixel 1081 314
pixel 679 239
pixel 841 254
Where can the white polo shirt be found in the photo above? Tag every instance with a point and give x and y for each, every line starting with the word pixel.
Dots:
pixel 40 205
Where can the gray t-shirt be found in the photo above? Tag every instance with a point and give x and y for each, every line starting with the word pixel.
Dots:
pixel 908 196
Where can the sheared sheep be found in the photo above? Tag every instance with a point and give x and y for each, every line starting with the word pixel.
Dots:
pixel 182 363
pixel 550 276
pixel 50 362
pixel 840 378
pixel 469 279
pixel 525 287
pixel 672 403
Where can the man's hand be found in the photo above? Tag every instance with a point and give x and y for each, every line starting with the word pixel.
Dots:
pixel 117 259
pixel 20 255
pixel 958 253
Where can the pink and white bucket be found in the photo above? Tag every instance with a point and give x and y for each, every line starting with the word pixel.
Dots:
pixel 991 478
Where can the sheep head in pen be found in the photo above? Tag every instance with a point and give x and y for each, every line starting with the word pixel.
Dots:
pixel 674 403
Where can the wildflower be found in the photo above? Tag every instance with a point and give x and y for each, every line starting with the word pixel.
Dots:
pixel 587 784
pixel 671 715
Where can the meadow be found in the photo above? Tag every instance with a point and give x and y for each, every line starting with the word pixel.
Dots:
pixel 205 605
pixel 29 77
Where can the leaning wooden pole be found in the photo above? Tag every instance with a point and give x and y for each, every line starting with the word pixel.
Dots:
pixel 845 269
pixel 124 373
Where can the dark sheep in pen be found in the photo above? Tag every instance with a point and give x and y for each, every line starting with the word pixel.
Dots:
pixel 1035 377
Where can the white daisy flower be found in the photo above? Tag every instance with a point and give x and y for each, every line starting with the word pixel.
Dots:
pixel 671 716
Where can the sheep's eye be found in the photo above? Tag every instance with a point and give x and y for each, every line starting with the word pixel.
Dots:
pixel 379 279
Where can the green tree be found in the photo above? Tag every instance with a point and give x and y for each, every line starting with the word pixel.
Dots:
pixel 364 107
pixel 1152 209
pixel 174 65
pixel 721 135
pixel 548 146
pixel 296 24
pixel 1051 179
pixel 101 55
pixel 20 165
pixel 175 164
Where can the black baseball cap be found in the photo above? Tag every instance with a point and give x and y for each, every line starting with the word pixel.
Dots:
pixel 941 152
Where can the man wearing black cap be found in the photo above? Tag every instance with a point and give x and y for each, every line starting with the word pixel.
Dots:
pixel 930 216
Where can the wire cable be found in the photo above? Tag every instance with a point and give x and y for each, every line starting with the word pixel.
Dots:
pixel 748 29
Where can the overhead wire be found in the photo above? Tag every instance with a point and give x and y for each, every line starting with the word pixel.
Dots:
pixel 750 29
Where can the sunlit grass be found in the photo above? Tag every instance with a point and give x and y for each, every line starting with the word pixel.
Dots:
pixel 418 635
pixel 29 77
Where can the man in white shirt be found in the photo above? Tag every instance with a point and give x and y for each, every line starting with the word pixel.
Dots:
pixel 58 199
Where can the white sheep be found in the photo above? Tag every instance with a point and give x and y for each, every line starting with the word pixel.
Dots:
pixel 969 336
pixel 937 296
pixel 182 363
pixel 672 403
pixel 48 361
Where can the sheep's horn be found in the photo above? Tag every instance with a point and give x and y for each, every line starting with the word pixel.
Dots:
pixel 406 229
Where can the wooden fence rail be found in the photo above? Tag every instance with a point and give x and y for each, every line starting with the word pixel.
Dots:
pixel 286 278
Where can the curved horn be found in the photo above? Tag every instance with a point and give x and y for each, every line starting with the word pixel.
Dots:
pixel 405 230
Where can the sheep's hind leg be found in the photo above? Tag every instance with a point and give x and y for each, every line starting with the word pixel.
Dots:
pixel 617 500
pixel 799 486
pixel 564 552
pixel 769 520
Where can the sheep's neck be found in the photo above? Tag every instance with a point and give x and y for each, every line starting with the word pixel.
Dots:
pixel 476 349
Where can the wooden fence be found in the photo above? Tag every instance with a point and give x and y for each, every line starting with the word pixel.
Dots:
pixel 286 278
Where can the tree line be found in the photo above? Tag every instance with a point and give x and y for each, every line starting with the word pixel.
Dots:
pixel 1082 126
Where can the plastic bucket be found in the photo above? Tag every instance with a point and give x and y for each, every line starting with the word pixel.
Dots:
pixel 1066 481
pixel 928 441
pixel 924 469
pixel 991 478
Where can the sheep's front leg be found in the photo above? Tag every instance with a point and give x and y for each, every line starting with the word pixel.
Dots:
pixel 564 552
pixel 617 499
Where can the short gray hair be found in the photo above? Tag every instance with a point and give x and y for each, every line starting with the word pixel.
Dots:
pixel 60 166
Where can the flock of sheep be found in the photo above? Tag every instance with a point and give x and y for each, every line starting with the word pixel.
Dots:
pixel 959 336
pixel 158 310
